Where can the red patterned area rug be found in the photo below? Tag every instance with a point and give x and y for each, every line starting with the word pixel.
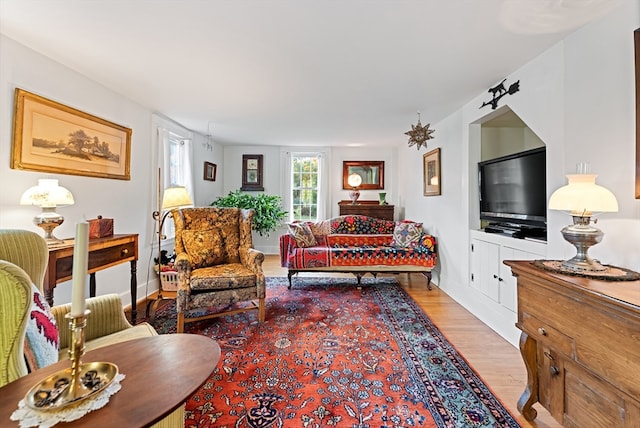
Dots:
pixel 330 354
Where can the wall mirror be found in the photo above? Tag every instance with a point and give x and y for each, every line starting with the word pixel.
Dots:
pixel 371 172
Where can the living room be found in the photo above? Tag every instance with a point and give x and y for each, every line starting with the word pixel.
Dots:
pixel 577 97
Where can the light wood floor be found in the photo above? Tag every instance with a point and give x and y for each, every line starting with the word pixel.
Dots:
pixel 494 359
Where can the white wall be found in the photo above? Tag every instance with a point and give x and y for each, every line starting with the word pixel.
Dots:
pixel 129 202
pixel 578 98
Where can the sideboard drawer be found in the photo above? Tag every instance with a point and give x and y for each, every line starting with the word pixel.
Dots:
pixel 544 333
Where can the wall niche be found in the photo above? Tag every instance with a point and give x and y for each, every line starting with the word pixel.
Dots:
pixel 506 134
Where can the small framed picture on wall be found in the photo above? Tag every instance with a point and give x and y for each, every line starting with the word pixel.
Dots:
pixel 210 170
pixel 431 172
pixel 252 173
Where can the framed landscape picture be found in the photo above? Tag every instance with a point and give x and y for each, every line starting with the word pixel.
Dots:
pixel 51 137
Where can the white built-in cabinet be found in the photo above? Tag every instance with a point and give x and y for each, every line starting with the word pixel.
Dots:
pixel 493 281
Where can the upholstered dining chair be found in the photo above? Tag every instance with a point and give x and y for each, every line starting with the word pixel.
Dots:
pixel 23 261
pixel 217 264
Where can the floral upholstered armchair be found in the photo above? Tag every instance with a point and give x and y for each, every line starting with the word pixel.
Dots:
pixel 217 264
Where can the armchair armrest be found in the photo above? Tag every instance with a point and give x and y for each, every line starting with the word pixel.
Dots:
pixel 106 317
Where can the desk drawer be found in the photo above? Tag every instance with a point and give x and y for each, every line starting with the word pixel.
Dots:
pixel 111 255
pixel 98 259
pixel 544 333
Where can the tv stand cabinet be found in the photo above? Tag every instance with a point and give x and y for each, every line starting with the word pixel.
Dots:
pixel 492 285
pixel 580 343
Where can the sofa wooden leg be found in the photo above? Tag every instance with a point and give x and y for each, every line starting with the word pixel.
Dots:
pixel 289 275
pixel 359 276
pixel 261 310
pixel 428 276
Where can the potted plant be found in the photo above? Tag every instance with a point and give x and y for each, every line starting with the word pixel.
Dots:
pixel 269 212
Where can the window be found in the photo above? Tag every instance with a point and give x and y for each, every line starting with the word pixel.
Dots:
pixel 174 162
pixel 305 187
pixel 175 174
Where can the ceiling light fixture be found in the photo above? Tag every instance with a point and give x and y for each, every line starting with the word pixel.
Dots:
pixel 419 135
pixel 208 141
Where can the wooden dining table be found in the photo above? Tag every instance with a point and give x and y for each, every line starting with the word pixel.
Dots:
pixel 161 373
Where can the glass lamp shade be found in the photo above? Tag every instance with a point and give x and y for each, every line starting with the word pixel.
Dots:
pixel 354 180
pixel 175 197
pixel 48 195
pixel 582 197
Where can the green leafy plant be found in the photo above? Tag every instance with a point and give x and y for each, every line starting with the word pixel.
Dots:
pixel 269 212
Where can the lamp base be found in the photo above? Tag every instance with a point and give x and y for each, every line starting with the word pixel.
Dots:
pixel 354 195
pixel 48 220
pixel 582 235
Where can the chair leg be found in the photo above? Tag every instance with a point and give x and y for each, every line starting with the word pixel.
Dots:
pixel 261 310
pixel 180 319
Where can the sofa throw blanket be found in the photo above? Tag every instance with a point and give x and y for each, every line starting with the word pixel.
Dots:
pixel 357 241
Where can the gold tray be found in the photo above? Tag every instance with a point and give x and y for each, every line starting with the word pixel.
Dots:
pixel 54 392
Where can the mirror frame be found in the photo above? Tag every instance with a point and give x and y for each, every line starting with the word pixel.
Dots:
pixel 349 166
pixel 636 42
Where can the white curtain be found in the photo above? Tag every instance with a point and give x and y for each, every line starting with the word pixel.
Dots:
pixel 172 172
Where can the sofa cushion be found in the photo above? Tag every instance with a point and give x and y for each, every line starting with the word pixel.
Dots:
pixel 301 232
pixel 221 277
pixel 321 228
pixel 41 339
pixel 406 234
pixel 204 247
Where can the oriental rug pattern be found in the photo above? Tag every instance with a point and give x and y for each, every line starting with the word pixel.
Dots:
pixel 331 354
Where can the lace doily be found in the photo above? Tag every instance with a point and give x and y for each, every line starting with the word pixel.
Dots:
pixel 29 417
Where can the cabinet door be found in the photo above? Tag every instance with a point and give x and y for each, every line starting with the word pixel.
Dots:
pixel 508 283
pixel 593 403
pixel 485 268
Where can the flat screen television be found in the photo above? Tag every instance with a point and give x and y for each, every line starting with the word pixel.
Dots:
pixel 513 190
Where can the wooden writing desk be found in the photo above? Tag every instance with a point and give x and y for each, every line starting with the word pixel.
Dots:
pixel 148 393
pixel 103 253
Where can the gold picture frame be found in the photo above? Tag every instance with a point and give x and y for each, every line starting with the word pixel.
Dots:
pixel 636 42
pixel 431 178
pixel 52 137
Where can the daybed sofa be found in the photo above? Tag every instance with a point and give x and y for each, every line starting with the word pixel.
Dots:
pixel 358 244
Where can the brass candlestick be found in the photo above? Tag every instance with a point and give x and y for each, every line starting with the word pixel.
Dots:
pixel 76 383
pixel 76 348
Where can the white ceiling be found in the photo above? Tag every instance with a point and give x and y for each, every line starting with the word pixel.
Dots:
pixel 297 72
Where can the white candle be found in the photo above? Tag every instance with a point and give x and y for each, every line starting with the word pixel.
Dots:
pixel 80 266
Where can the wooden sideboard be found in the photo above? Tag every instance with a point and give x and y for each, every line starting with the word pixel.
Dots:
pixel 368 208
pixel 581 345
